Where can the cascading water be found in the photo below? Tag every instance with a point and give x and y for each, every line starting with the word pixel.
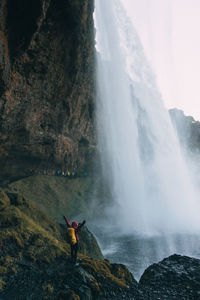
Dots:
pixel 151 188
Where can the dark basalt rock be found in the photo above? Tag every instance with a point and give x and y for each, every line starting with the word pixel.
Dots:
pixel 89 245
pixel 188 130
pixel 176 277
pixel 46 86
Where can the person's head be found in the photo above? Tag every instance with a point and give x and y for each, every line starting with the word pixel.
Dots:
pixel 74 224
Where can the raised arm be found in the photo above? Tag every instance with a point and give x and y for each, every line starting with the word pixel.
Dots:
pixel 81 225
pixel 66 220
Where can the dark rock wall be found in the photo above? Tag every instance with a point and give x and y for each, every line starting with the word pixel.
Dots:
pixel 188 130
pixel 46 86
pixel 176 277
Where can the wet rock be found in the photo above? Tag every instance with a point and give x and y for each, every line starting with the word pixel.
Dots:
pixel 188 130
pixel 46 86
pixel 176 277
pixel 89 242
pixel 85 293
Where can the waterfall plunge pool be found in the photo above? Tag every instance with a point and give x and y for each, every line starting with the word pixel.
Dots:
pixel 138 252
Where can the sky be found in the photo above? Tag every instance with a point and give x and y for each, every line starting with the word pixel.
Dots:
pixel 170 33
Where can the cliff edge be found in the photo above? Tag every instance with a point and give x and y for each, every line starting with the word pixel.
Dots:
pixel 46 86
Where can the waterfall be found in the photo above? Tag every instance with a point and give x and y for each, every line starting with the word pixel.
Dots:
pixel 151 187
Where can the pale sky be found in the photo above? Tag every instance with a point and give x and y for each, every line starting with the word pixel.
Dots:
pixel 170 33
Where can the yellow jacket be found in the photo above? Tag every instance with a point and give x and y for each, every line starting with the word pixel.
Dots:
pixel 71 237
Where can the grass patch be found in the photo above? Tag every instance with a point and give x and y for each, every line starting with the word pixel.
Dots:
pixel 25 229
pixel 30 240
pixel 55 195
pixel 105 270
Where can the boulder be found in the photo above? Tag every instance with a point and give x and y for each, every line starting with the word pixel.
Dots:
pixel 89 245
pixel 175 277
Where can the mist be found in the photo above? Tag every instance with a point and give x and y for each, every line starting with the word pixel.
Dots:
pixel 169 31
pixel 152 190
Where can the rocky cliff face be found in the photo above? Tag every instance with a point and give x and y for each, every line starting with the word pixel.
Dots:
pixel 46 86
pixel 188 130
pixel 35 258
pixel 176 277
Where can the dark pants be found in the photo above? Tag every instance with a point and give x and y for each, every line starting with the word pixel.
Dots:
pixel 74 251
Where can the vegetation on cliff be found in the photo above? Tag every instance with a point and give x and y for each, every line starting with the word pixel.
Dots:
pixel 35 263
pixel 56 194
pixel 34 257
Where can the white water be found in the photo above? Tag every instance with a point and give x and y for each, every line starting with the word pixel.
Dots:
pixel 151 188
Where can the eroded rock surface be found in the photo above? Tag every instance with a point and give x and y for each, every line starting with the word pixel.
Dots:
pixel 188 130
pixel 176 277
pixel 46 86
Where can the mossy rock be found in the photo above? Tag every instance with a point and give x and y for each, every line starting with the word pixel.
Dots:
pixel 28 232
pixel 57 195
pixel 89 245
pixel 34 253
pixel 4 199
pixel 118 275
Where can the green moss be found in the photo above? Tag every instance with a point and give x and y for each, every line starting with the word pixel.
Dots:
pixel 48 288
pixel 28 236
pixel 3 270
pixel 55 194
pixel 2 284
pixel 75 296
pixel 103 269
pixel 8 265
pixel 24 228
pixel 121 272
pixel 4 199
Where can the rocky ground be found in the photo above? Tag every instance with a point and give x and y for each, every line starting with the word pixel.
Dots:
pixel 35 264
pixel 176 277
